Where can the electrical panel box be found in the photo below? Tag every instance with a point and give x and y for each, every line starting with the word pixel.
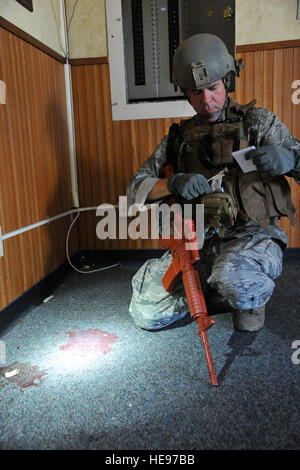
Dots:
pixel 153 29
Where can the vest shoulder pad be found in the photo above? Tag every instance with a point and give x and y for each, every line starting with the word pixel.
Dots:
pixel 175 138
pixel 241 109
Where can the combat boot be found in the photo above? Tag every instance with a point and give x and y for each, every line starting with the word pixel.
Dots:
pixel 248 320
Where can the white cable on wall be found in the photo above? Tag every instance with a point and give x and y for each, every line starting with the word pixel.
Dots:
pixel 67 250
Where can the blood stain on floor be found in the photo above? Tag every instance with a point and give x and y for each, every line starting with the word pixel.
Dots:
pixel 28 375
pixel 89 342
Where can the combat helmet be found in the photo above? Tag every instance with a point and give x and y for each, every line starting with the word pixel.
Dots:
pixel 201 60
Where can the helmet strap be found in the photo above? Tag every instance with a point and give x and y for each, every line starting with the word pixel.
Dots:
pixel 226 81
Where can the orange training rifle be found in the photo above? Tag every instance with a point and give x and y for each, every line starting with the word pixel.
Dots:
pixel 182 265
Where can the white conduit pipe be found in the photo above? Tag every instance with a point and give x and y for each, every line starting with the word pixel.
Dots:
pixel 44 222
pixel 69 101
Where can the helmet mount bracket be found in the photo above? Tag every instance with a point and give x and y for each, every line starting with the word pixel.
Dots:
pixel 200 74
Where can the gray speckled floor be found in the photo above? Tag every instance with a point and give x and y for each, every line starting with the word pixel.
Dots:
pixel 90 379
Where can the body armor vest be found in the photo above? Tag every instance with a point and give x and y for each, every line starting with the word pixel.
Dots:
pixel 207 148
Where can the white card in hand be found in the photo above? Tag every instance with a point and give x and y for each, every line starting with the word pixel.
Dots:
pixel 246 165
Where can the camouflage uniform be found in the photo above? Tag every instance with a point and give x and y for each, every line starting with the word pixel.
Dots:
pixel 241 264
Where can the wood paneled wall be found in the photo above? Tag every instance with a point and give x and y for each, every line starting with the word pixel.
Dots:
pixel 109 152
pixel 35 172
